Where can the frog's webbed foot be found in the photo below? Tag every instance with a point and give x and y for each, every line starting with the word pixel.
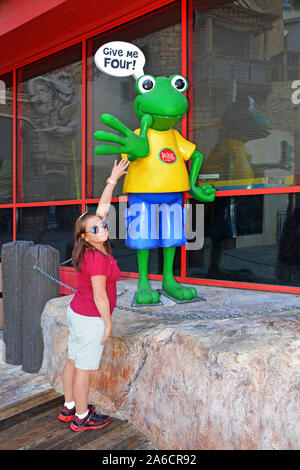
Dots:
pixel 146 295
pixel 176 290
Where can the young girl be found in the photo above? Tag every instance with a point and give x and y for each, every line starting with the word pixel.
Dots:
pixel 89 313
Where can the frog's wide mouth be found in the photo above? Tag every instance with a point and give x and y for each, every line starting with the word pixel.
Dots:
pixel 160 116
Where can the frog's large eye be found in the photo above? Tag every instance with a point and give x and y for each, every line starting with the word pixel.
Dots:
pixel 179 83
pixel 146 83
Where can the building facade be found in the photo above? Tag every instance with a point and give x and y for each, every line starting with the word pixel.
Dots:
pixel 242 61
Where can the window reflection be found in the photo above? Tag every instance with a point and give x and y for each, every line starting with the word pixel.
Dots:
pixel 250 239
pixel 49 144
pixel 288 260
pixel 6 139
pixel 6 226
pixel 50 225
pixel 246 55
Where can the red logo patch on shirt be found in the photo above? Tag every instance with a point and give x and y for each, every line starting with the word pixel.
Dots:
pixel 167 155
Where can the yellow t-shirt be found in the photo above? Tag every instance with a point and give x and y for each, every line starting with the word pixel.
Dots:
pixel 164 169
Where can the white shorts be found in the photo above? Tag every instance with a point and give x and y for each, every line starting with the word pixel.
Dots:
pixel 84 345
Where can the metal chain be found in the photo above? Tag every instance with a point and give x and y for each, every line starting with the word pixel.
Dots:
pixel 214 316
pixel 65 262
pixel 52 278
pixel 173 316
pixel 178 316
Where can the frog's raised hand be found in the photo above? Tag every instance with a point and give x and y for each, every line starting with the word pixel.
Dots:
pixel 135 146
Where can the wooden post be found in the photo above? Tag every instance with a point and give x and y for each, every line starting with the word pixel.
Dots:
pixel 38 289
pixel 12 284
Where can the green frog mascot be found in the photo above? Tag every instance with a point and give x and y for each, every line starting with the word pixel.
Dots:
pixel 157 178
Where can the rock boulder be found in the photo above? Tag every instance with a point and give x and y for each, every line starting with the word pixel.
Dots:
pixel 220 381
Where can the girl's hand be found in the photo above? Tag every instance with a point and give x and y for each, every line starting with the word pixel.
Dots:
pixel 107 336
pixel 119 169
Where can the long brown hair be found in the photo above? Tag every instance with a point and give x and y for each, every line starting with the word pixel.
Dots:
pixel 81 244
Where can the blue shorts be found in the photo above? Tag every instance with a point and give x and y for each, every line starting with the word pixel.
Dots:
pixel 155 220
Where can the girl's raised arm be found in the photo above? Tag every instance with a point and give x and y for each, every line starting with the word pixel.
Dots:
pixel 105 200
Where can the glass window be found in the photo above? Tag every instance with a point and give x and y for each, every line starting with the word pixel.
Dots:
pixel 6 138
pixel 49 128
pixel 50 225
pixel 159 37
pixel 246 93
pixel 248 239
pixel 6 226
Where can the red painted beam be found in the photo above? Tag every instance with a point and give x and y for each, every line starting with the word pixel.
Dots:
pixel 15 13
pixel 32 28
pixel 27 31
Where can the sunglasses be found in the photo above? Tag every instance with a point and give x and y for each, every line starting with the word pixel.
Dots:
pixel 96 228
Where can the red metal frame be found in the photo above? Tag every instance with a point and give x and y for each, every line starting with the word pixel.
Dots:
pixel 184 122
pixel 48 203
pixel 89 110
pixel 14 153
pixel 191 84
pixel 187 126
pixel 19 136
pixel 83 120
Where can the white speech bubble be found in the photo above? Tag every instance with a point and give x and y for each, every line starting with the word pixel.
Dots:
pixel 120 59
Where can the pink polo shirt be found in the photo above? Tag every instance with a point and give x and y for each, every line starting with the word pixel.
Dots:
pixel 95 263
